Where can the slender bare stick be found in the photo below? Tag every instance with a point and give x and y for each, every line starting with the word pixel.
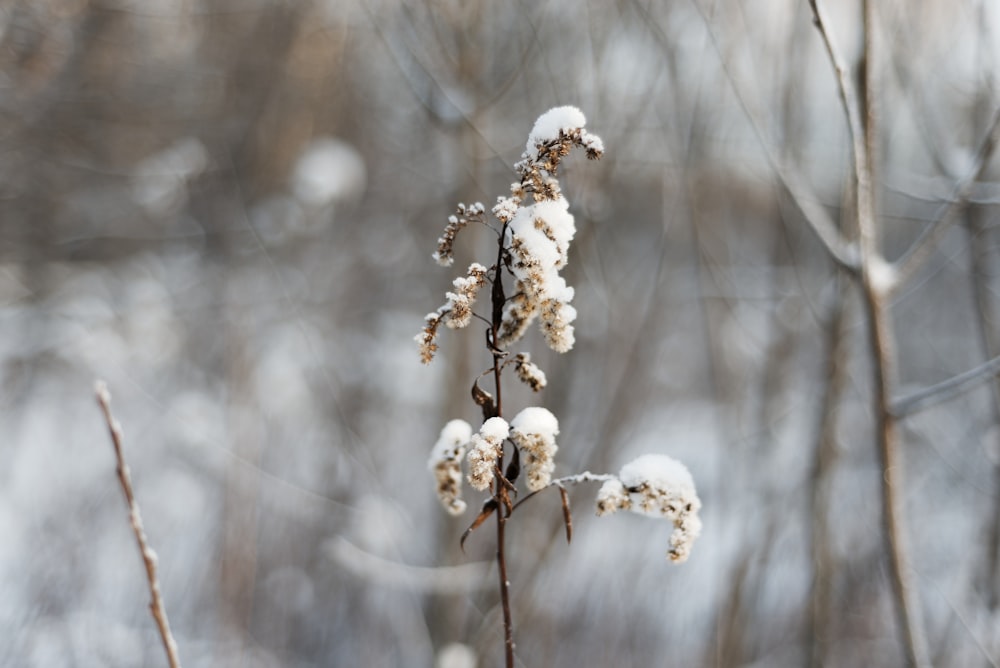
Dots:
pixel 878 279
pixel 149 557
pixel 501 493
pixel 508 622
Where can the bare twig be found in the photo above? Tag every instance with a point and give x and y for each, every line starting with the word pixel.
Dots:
pixel 149 557
pixel 508 622
pixel 561 483
pixel 877 282
pixel 845 88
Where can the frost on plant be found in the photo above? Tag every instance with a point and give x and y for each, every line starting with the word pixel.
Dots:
pixel 523 285
pixel 657 486
pixel 536 229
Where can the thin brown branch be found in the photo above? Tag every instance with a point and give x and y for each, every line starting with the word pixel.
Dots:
pixel 576 479
pixel 501 493
pixel 149 557
pixel 877 281
pixel 508 622
pixel 858 132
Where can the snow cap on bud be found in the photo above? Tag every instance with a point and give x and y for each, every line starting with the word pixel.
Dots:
pixel 550 124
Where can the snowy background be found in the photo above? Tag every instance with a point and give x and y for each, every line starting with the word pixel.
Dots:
pixel 227 209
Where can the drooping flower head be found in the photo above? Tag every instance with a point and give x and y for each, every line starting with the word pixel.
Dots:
pixel 657 486
pixel 446 464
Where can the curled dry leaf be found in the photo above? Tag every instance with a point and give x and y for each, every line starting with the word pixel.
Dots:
pixel 484 400
pixel 488 508
pixel 567 515
pixel 513 467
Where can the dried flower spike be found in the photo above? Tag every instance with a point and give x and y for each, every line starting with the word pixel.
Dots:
pixel 462 217
pixel 535 240
pixel 529 373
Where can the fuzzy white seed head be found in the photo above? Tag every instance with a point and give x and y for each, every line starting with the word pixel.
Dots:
pixel 534 431
pixel 657 486
pixel 529 373
pixel 550 124
pixel 446 464
pixel 486 448
pixel 612 497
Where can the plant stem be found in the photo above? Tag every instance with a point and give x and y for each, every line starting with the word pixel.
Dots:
pixel 500 493
pixel 508 623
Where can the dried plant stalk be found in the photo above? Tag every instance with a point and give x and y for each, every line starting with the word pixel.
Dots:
pixel 149 557
pixel 533 236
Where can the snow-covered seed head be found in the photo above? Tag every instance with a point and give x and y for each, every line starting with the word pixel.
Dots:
pixel 555 133
pixel 462 217
pixel 537 254
pixel 556 317
pixel 446 464
pixel 534 431
pixel 539 234
pixel 427 338
pixel 486 448
pixel 506 207
pixel 518 314
pixel 539 230
pixel 459 304
pixel 529 373
pixel 612 497
pixel 657 486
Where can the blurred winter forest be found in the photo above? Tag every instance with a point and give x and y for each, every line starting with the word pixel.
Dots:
pixel 227 208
